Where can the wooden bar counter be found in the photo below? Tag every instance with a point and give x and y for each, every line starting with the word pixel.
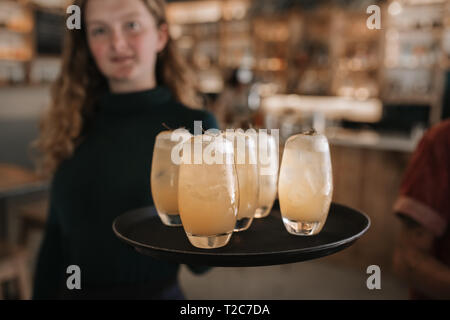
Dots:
pixel 367 176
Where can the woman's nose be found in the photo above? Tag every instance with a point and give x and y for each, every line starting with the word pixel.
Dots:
pixel 118 41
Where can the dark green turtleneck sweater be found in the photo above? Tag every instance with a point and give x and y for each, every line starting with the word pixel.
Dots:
pixel 108 174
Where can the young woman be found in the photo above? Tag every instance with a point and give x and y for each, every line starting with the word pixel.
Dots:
pixel 120 81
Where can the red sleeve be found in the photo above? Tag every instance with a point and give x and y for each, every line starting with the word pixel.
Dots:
pixel 425 192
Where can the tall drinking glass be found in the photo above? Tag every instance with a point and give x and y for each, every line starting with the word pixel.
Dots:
pixel 245 157
pixel 164 177
pixel 208 192
pixel 306 183
pixel 268 173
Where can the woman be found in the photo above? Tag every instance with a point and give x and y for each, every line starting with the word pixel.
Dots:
pixel 120 81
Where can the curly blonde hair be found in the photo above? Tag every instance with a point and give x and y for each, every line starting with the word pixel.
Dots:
pixel 80 83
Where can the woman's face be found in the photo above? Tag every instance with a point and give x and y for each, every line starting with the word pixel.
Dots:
pixel 124 41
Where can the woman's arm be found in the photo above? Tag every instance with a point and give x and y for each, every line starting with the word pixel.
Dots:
pixel 415 263
pixel 49 268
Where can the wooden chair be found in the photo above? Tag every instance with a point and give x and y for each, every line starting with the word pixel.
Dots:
pixel 14 259
pixel 16 182
pixel 33 217
pixel 14 267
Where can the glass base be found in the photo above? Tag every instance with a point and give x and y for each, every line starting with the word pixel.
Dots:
pixel 262 212
pixel 171 220
pixel 209 242
pixel 302 228
pixel 243 224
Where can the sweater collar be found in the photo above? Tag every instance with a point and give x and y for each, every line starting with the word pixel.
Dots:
pixel 148 101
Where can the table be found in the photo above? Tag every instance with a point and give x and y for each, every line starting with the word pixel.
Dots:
pixel 16 181
pixel 266 242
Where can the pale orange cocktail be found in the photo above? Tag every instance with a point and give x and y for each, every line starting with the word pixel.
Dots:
pixel 208 193
pixel 305 185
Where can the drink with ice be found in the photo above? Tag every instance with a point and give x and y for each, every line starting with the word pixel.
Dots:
pixel 267 173
pixel 245 157
pixel 305 184
pixel 208 193
pixel 164 178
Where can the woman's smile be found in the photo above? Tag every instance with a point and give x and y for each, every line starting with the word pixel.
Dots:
pixel 122 59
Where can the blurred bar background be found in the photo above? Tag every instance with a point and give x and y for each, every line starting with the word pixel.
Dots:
pixel 286 65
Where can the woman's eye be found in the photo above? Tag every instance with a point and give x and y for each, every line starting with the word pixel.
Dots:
pixel 132 25
pixel 98 31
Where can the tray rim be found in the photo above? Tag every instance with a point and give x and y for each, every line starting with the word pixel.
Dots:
pixel 212 253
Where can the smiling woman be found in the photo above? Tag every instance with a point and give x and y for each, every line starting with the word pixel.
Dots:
pixel 118 47
pixel 120 80
pixel 125 44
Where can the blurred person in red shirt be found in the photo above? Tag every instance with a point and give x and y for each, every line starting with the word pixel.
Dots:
pixel 422 254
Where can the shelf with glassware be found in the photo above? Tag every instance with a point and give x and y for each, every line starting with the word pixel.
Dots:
pixel 16 42
pixel 271 38
pixel 235 43
pixel 198 43
pixel 356 52
pixel 414 47
pixel 213 36
pixel 23 58
pixel 310 59
pixel 15 46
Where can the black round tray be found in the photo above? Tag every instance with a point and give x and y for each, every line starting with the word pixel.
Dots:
pixel 266 242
